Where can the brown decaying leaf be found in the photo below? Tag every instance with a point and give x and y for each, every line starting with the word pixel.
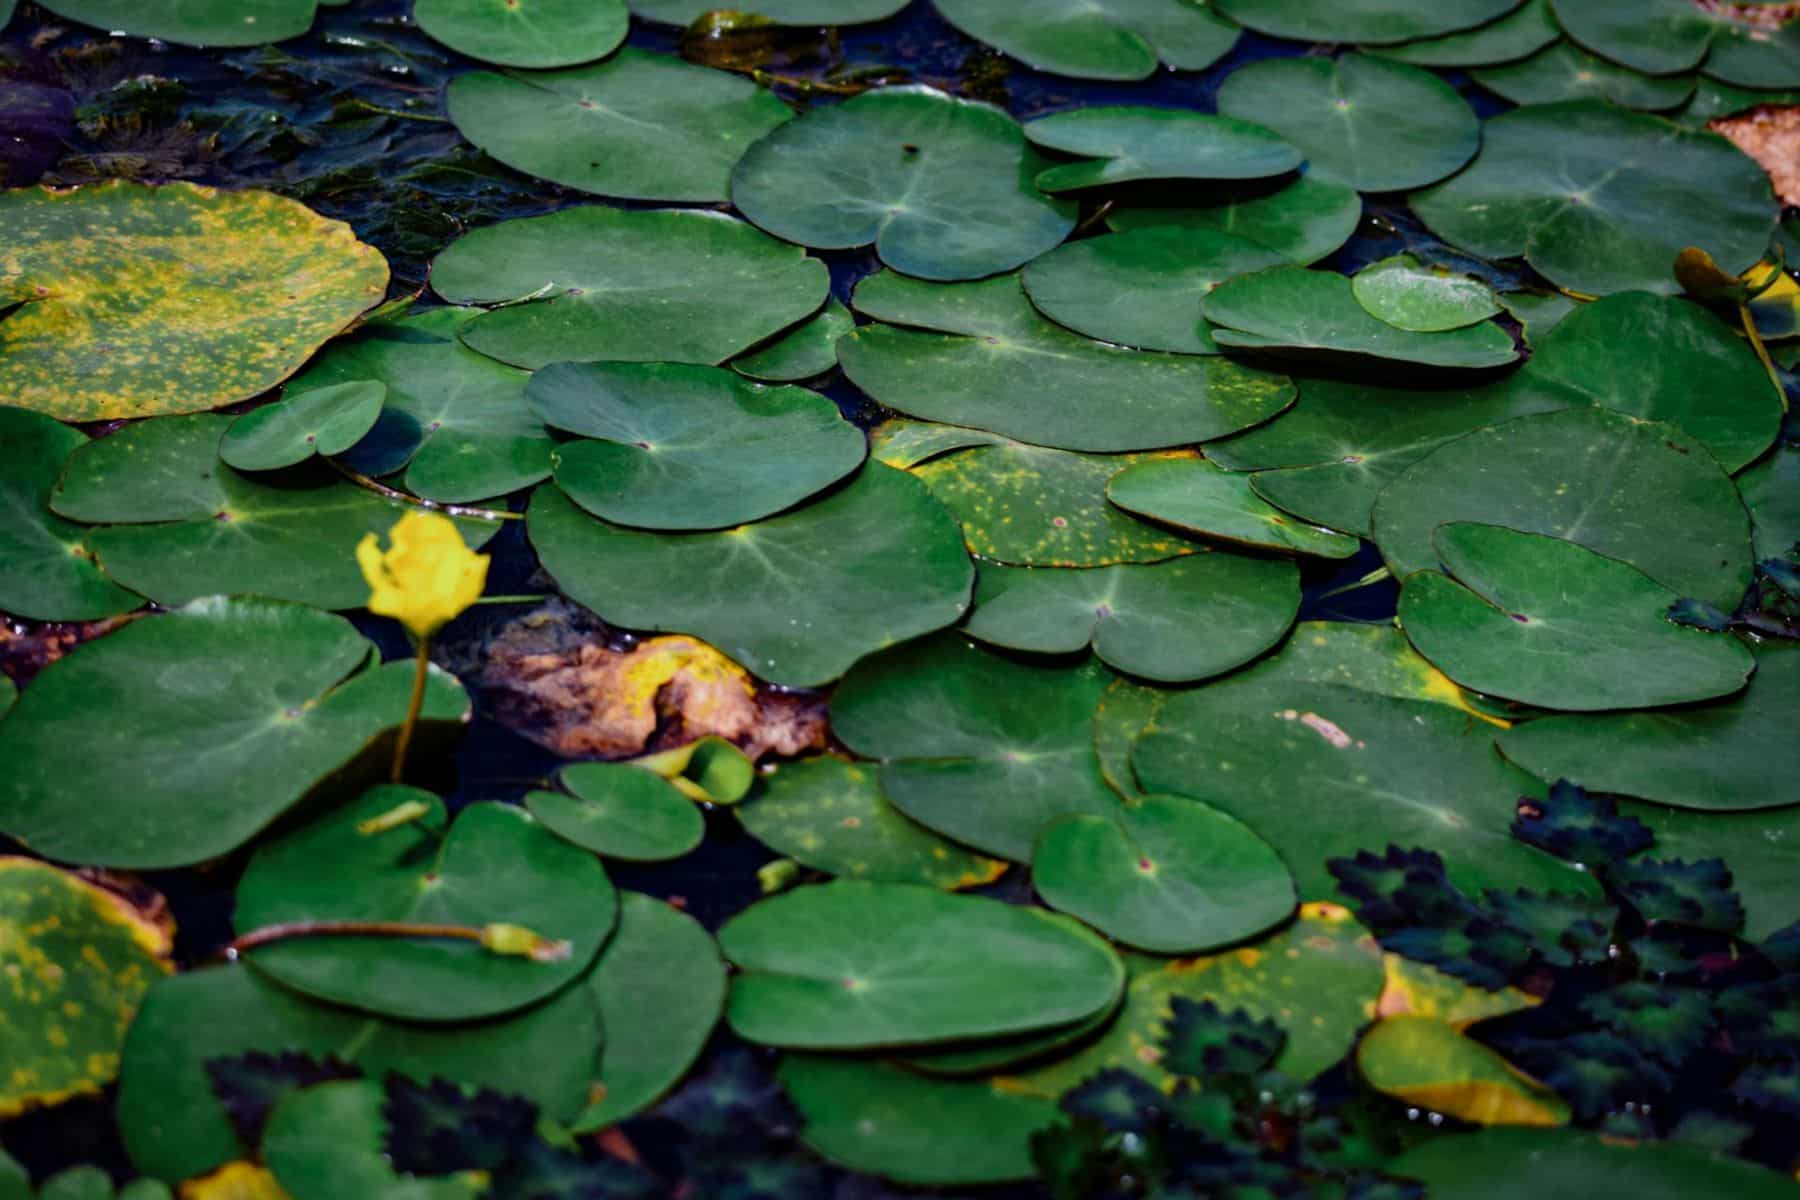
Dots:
pixel 1771 135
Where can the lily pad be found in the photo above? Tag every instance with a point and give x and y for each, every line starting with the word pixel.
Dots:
pixel 78 958
pixel 1599 200
pixel 1551 623
pixel 886 1120
pixel 808 349
pixel 688 447
pixel 829 814
pixel 1315 314
pixel 979 355
pixel 1771 490
pixel 982 748
pixel 330 1140
pixel 896 569
pixel 1762 849
pixel 1198 497
pixel 493 865
pixel 1303 221
pixel 179 737
pixel 1732 755
pixel 1425 1063
pixel 196 22
pixel 1098 39
pixel 1124 710
pixel 1030 506
pixel 195 299
pixel 1702 377
pixel 1635 490
pixel 660 987
pixel 526 33
pixel 1130 143
pixel 781 12
pixel 1409 295
pixel 175 1128
pixel 1562 72
pixel 1497 1163
pixel 850 965
pixel 620 811
pixel 1664 37
pixel 1523 31
pixel 1362 20
pixel 940 185
pixel 1142 289
pixel 640 126
pixel 1378 126
pixel 593 283
pixel 1164 874
pixel 1323 770
pixel 326 420
pixel 47 567
pixel 1172 622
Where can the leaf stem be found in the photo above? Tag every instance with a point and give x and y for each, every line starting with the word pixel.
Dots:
pixel 449 510
pixel 413 707
pixel 288 930
pixel 523 598
pixel 1762 352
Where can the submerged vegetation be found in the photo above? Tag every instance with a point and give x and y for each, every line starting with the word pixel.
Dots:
pixel 1160 599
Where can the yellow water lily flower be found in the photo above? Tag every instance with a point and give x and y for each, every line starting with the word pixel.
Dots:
pixel 427 576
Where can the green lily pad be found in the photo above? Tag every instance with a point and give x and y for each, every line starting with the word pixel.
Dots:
pixel 1702 377
pixel 1142 289
pixel 1761 848
pixel 1378 126
pixel 982 748
pixel 1426 1063
pixel 1129 143
pixel 851 965
pixel 593 283
pixel 661 987
pixel 1124 710
pixel 1563 72
pixel 1732 755
pixel 196 22
pixel 9 693
pixel 1164 874
pixel 1172 622
pixel 175 1128
pixel 1318 978
pixel 1635 490
pixel 1303 221
pixel 687 447
pixel 639 125
pixel 179 737
pixel 493 865
pixel 1198 497
pixel 195 299
pixel 829 814
pixel 330 1141
pixel 1497 1163
pixel 709 770
pixel 781 12
pixel 1030 506
pixel 1521 32
pixel 883 1119
pixel 808 349
pixel 940 185
pixel 326 420
pixel 1098 39
pixel 1746 56
pixel 1664 37
pixel 79 959
pixel 1771 491
pixel 620 811
pixel 1409 295
pixel 47 566
pixel 979 355
pixel 896 568
pixel 526 33
pixel 189 526
pixel 1537 312
pixel 1551 623
pixel 1362 20
pixel 1315 314
pixel 1599 200
pixel 903 444
pixel 1324 770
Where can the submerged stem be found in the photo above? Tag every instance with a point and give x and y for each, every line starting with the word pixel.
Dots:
pixel 449 510
pixel 412 710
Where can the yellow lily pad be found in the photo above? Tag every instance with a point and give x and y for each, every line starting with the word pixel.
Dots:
pixel 135 301
pixel 75 961
pixel 1427 1063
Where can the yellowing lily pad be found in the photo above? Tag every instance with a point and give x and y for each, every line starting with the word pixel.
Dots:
pixel 1428 1064
pixel 76 958
pixel 193 299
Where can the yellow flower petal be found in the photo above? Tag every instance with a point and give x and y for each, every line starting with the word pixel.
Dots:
pixel 427 576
